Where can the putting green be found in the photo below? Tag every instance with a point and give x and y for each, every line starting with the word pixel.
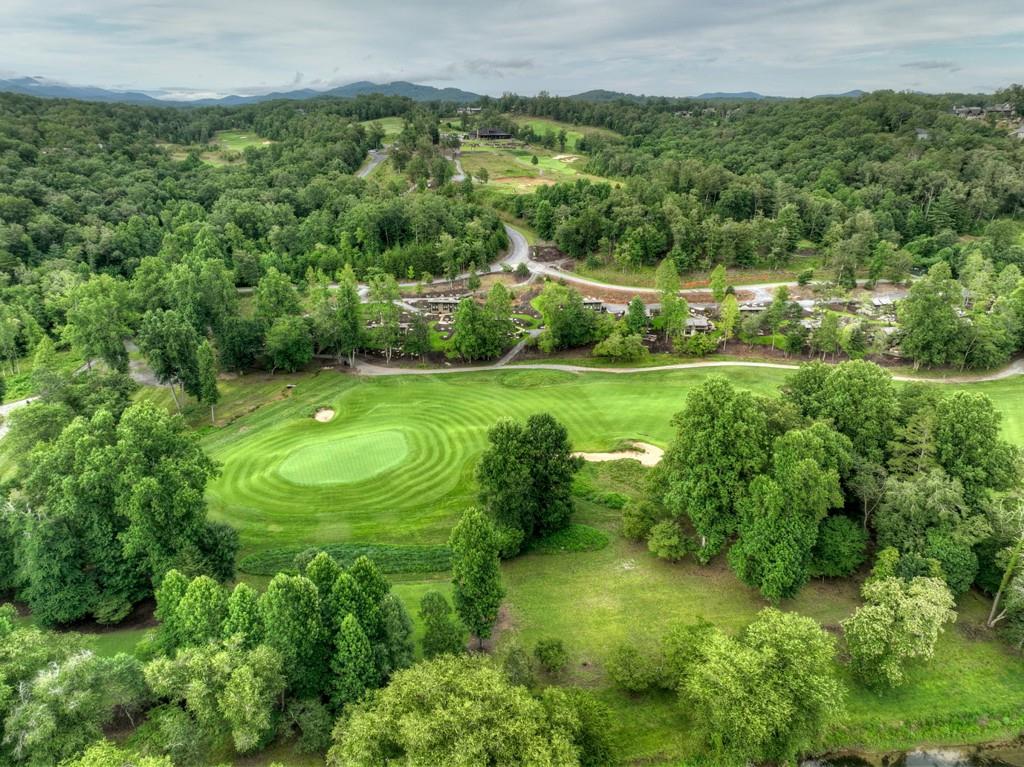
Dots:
pixel 350 459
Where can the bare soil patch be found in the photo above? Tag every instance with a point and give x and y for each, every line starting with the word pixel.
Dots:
pixel 524 181
pixel 644 452
pixel 324 414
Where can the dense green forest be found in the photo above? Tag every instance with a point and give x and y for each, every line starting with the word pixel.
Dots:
pixel 141 269
pixel 743 184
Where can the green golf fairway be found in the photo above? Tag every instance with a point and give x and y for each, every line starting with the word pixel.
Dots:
pixel 350 459
pixel 395 465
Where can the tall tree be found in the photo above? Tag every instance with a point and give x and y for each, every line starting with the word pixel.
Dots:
pixel 525 479
pixel 170 343
pixel 767 695
pixel 352 664
pixel 476 576
pixel 780 513
pixel 290 608
pixel 97 320
pixel 900 622
pixel 721 444
pixel 441 635
pixel 930 327
pixel 276 297
pixel 206 365
pixel 289 344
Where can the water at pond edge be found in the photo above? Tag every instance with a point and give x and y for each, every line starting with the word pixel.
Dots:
pixel 996 756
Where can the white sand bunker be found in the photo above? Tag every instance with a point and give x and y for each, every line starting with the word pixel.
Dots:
pixel 645 452
pixel 324 414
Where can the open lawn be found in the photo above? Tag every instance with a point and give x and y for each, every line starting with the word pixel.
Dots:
pixel 392 125
pixel 511 169
pixel 573 133
pixel 238 140
pixel 595 599
pixel 225 148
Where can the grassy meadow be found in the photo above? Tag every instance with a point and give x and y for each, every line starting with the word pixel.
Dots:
pixel 392 125
pixel 510 170
pixel 238 140
pixel 225 147
pixel 573 133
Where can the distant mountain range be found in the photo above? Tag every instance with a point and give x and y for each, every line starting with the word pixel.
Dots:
pixel 35 86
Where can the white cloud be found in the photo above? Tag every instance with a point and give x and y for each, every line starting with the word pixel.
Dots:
pixel 789 47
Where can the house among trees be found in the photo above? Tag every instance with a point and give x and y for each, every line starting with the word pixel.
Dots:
pixel 468 110
pixel 594 303
pixel 969 113
pixel 1000 111
pixel 491 134
pixel 444 304
pixel 698 324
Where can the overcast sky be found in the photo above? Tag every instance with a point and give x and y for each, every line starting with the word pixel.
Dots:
pixel 673 47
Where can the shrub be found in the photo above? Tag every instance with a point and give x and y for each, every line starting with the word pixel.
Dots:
pixel 805 277
pixel 622 347
pixel 389 558
pixel 637 520
pixel 666 541
pixel 518 666
pixel 841 548
pixel 699 345
pixel 522 270
pixel 956 557
pixel 635 666
pixel 310 722
pixel 551 655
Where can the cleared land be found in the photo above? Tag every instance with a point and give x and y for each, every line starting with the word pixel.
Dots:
pixel 238 140
pixel 511 170
pixel 225 148
pixel 573 133
pixel 392 125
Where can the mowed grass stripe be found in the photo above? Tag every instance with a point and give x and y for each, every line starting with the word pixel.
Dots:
pixel 444 420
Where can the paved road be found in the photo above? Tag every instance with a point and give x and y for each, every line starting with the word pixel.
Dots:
pixel 377 156
pixel 8 407
pixel 370 369
pixel 460 174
